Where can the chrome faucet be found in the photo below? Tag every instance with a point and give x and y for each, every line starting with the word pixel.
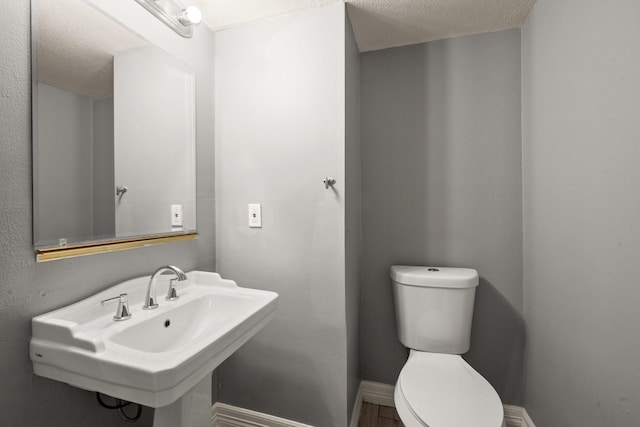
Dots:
pixel 150 299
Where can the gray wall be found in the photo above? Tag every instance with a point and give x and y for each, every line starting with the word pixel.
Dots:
pixel 104 209
pixel 64 162
pixel 441 185
pixel 161 135
pixel 75 166
pixel 280 106
pixel 581 77
pixel 353 229
pixel 28 289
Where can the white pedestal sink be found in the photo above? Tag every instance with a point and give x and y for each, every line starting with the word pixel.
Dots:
pixel 161 358
pixel 193 409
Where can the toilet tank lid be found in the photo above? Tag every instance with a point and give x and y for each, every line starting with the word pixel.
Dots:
pixel 435 277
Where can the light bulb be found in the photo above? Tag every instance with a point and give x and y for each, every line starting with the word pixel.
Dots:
pixel 190 16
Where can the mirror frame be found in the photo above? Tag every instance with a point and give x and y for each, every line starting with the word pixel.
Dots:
pixel 89 247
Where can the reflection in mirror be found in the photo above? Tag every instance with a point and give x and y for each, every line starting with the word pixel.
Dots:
pixel 113 132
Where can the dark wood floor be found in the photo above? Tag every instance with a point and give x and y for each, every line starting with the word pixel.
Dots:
pixel 378 416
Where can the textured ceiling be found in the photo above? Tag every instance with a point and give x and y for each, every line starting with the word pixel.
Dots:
pixel 75 45
pixel 219 14
pixel 379 24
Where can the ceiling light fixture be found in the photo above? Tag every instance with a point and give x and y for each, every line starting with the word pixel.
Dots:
pixel 174 15
pixel 190 16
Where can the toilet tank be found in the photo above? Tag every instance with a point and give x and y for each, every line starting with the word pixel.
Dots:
pixel 434 307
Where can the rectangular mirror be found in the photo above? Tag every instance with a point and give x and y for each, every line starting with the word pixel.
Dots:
pixel 113 131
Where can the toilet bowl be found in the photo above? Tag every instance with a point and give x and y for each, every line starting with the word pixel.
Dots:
pixel 436 386
pixel 442 390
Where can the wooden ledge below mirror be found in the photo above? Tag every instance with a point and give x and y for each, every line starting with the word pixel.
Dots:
pixel 50 254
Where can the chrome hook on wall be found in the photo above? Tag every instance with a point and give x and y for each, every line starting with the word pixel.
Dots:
pixel 328 182
pixel 121 190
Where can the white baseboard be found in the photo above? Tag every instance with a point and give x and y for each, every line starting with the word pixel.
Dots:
pixel 516 416
pixel 371 392
pixel 357 408
pixel 231 416
pixel 526 420
pixel 377 393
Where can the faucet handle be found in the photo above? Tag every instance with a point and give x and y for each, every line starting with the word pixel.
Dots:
pixel 122 312
pixel 172 295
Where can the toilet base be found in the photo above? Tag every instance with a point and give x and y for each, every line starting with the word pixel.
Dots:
pixel 406 415
pixel 443 390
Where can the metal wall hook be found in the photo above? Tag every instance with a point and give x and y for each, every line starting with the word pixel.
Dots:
pixel 121 190
pixel 328 182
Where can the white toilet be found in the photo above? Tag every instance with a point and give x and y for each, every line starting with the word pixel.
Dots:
pixel 436 387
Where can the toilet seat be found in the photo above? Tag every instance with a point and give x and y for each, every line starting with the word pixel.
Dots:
pixel 442 390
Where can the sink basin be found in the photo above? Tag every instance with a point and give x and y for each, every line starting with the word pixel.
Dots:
pixel 158 355
pixel 189 323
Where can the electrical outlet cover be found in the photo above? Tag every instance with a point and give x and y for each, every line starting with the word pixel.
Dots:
pixel 176 215
pixel 255 215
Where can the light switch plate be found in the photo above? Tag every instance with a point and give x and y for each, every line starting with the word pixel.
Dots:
pixel 176 215
pixel 255 215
